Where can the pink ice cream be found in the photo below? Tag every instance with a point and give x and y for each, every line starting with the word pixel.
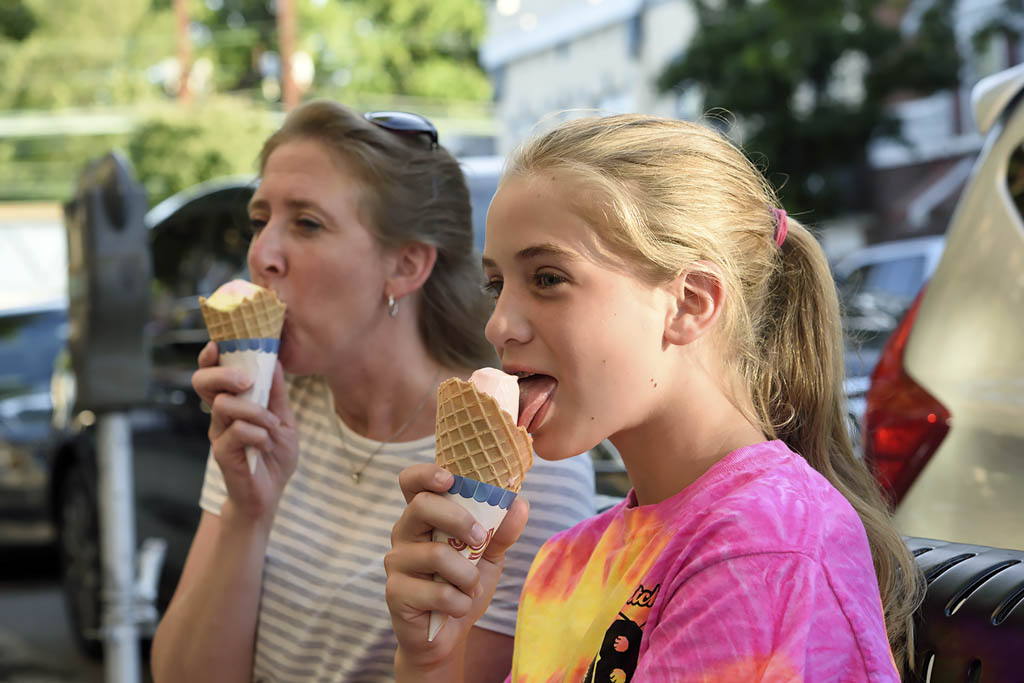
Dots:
pixel 504 388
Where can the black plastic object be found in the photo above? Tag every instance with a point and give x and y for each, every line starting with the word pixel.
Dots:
pixel 970 627
pixel 109 280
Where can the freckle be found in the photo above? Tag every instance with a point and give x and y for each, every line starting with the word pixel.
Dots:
pixel 655 385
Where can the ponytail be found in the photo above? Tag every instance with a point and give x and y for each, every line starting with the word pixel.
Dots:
pixel 798 392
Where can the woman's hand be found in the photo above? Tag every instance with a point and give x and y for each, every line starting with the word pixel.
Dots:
pixel 413 560
pixel 236 423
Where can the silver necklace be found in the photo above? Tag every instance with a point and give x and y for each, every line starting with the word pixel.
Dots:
pixel 356 472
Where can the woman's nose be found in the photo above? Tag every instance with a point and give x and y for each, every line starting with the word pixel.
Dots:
pixel 508 323
pixel 266 252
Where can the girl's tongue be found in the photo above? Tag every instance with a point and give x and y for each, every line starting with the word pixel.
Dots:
pixel 533 392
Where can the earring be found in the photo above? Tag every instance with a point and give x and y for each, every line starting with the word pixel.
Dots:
pixel 392 306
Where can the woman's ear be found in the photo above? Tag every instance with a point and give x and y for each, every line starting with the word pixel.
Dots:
pixel 698 297
pixel 411 265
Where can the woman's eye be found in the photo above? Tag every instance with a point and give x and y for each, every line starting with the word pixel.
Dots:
pixel 308 224
pixel 256 224
pixel 493 287
pixel 548 280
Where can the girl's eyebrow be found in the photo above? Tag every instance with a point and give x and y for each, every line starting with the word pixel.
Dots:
pixel 535 251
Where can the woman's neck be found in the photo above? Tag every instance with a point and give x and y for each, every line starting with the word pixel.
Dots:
pixel 388 389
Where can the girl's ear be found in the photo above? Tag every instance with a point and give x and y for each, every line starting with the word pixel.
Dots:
pixel 698 298
pixel 411 265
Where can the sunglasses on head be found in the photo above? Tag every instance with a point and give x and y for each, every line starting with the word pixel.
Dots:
pixel 403 123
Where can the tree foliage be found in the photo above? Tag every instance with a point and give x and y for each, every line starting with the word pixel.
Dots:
pixel 808 83
pixel 98 56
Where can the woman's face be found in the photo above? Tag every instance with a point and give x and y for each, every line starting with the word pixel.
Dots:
pixel 311 245
pixel 570 314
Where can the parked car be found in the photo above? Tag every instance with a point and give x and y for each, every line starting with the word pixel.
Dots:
pixel 30 339
pixel 198 241
pixel 876 285
pixel 944 425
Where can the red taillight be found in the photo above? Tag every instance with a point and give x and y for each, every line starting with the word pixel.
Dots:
pixel 903 423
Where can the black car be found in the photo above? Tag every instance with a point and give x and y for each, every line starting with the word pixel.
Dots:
pixel 30 339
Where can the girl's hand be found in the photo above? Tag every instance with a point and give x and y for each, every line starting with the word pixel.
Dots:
pixel 414 558
pixel 236 423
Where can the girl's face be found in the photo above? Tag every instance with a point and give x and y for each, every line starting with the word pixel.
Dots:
pixel 311 246
pixel 586 337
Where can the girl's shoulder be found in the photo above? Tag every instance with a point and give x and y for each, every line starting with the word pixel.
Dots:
pixel 766 498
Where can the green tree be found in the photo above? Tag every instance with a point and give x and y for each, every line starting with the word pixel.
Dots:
pixel 809 83
pixel 182 147
pixel 425 48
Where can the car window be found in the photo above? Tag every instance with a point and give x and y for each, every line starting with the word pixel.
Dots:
pixel 29 343
pixel 900 278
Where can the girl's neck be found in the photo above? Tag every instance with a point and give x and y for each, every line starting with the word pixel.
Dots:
pixel 679 444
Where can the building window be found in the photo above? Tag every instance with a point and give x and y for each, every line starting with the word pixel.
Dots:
pixel 635 35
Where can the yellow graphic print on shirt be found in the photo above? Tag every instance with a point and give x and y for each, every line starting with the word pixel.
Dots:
pixel 620 649
pixel 579 588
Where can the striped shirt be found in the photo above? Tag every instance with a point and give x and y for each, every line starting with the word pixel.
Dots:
pixel 322 615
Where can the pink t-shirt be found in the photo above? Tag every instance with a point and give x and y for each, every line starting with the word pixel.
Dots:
pixel 758 571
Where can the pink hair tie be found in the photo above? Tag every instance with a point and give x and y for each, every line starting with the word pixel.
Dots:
pixel 781 225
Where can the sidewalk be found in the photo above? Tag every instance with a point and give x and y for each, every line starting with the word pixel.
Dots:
pixel 20 663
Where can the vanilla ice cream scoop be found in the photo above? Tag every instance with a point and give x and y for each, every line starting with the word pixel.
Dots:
pixel 504 388
pixel 229 295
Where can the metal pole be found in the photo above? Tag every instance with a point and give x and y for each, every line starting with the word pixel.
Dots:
pixel 286 45
pixel 122 663
pixel 184 46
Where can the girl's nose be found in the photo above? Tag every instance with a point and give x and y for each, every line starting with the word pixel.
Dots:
pixel 508 324
pixel 266 252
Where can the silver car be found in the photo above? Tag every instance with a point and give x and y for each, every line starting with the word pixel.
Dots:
pixel 944 424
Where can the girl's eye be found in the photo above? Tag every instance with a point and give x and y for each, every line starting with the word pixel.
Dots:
pixel 548 280
pixel 493 287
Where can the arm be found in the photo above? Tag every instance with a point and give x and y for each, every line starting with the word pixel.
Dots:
pixel 209 629
pixel 488 657
pixel 208 632
pixel 413 560
pixel 561 495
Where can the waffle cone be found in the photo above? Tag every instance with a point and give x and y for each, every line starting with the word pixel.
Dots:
pixel 479 440
pixel 258 317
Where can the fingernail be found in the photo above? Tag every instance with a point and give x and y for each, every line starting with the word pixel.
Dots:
pixel 442 477
pixel 477 535
pixel 275 420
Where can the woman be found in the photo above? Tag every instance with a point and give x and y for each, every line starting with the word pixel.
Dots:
pixel 362 227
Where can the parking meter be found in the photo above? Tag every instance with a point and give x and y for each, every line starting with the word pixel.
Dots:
pixel 109 280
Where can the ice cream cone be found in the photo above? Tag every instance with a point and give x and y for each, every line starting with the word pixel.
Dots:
pixel 477 439
pixel 259 316
pixel 489 455
pixel 248 334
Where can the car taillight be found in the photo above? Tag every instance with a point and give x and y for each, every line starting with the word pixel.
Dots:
pixel 903 423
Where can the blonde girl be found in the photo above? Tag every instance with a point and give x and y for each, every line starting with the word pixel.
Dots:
pixel 648 290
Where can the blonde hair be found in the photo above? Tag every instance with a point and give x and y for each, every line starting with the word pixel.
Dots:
pixel 415 193
pixel 666 195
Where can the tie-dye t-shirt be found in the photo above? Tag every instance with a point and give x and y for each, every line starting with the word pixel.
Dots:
pixel 758 571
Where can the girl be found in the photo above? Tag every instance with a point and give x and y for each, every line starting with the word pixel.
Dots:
pixel 647 290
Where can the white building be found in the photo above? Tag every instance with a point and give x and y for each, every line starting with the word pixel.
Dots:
pixel 549 57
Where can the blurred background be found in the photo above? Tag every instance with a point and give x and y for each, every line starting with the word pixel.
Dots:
pixel 858 110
